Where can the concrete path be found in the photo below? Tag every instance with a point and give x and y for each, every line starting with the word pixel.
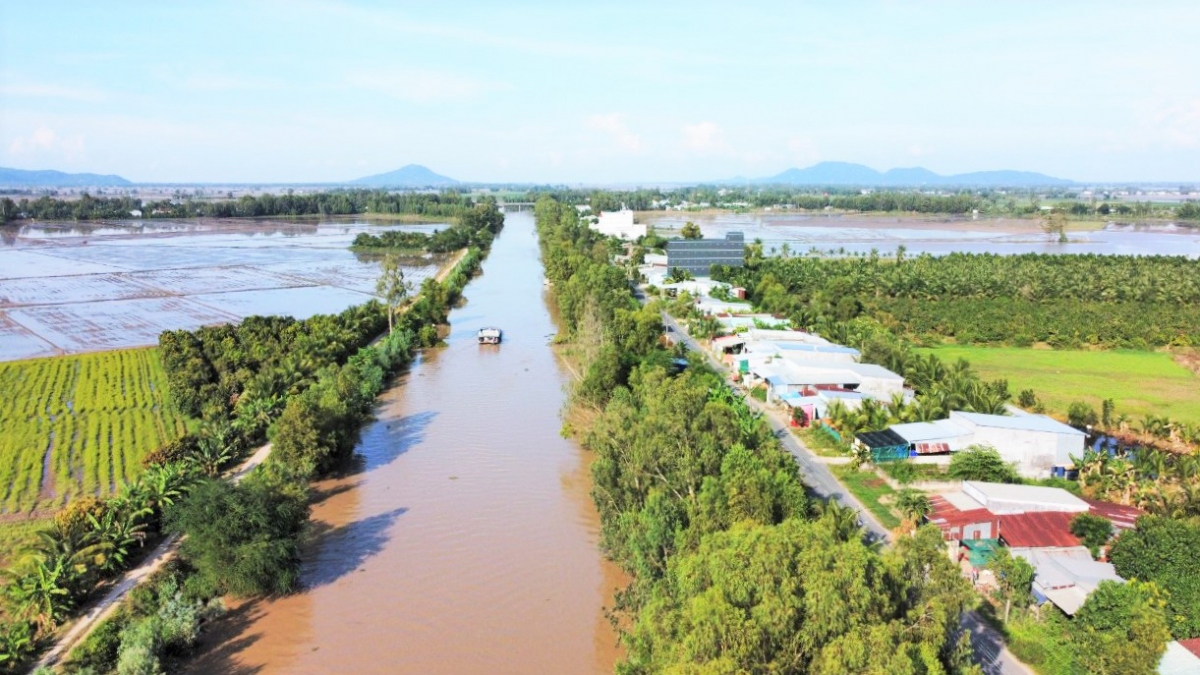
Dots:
pixel 166 550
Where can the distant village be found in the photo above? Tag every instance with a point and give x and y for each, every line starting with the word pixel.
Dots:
pixel 802 375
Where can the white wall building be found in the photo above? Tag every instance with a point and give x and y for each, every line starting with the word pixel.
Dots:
pixel 619 224
pixel 1036 443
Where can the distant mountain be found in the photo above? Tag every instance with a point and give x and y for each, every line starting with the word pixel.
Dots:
pixel 14 177
pixel 844 173
pixel 413 175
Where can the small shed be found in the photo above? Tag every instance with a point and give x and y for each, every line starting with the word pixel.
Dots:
pixel 885 446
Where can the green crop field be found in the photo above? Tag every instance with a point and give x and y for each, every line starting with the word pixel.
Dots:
pixel 1140 383
pixel 79 425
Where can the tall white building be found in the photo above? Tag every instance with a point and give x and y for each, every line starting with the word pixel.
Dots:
pixel 618 224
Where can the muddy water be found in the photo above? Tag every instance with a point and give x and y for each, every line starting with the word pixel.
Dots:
pixel 464 541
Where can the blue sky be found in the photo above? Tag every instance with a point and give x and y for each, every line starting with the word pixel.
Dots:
pixel 599 92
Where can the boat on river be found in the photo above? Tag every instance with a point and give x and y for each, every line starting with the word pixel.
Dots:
pixel 490 336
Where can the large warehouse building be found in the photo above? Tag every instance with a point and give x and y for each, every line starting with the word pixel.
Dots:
pixel 699 255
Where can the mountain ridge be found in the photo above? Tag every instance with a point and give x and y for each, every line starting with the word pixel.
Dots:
pixel 49 177
pixel 848 173
pixel 409 175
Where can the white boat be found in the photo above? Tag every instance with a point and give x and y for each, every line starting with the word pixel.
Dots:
pixel 490 336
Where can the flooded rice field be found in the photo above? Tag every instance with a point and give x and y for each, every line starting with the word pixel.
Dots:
pixel 464 540
pixel 71 287
pixel 861 234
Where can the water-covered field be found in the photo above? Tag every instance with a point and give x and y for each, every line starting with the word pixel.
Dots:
pixel 71 287
pixel 849 233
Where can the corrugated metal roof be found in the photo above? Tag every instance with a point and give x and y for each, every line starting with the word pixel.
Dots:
pixel 1192 645
pixel 881 439
pixel 1008 498
pixel 1038 529
pixel 919 432
pixel 1122 517
pixel 1022 422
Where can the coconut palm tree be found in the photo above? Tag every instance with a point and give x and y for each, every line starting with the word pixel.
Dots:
pixel 914 504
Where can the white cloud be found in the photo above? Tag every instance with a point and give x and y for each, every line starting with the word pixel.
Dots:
pixel 32 90
pixel 43 141
pixel 423 86
pixel 919 150
pixel 613 124
pixel 704 137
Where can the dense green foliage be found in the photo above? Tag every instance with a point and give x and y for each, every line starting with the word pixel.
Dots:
pixel 262 359
pixel 1121 629
pixel 731 571
pixel 1164 550
pixel 338 202
pixel 1062 300
pixel 1093 530
pixel 243 539
pixel 982 463
pixel 159 624
pixel 1161 482
pixel 476 227
pixel 98 415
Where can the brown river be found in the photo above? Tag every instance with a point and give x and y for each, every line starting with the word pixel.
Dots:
pixel 464 539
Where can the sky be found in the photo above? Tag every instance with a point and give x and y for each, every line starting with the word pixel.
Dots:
pixel 566 93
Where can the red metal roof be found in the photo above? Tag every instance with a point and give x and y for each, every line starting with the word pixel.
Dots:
pixel 946 515
pixel 1122 517
pixel 1192 645
pixel 1038 529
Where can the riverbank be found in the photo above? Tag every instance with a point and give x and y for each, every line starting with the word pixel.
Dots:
pixel 454 512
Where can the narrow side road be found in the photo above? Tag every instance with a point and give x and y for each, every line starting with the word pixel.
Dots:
pixel 166 550
pixel 990 651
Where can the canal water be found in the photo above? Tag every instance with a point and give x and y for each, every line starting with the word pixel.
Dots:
pixel 464 540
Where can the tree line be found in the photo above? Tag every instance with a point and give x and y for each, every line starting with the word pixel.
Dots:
pixel 734 568
pixel 1019 203
pixel 448 204
pixel 1062 300
pixel 475 227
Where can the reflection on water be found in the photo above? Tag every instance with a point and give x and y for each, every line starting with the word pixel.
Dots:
pixel 464 539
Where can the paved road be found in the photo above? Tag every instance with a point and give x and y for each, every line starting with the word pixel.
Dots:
pixel 990 651
pixel 816 475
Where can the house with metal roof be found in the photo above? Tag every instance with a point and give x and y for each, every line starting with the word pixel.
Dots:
pixel 1035 443
pixel 1066 576
pixel 934 438
pixel 1005 498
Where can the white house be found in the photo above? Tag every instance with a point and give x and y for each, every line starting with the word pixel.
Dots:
pixel 619 224
pixel 784 376
pixel 1036 443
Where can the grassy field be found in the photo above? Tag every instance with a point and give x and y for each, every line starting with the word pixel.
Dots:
pixel 79 425
pixel 869 488
pixel 1140 383
pixel 819 442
